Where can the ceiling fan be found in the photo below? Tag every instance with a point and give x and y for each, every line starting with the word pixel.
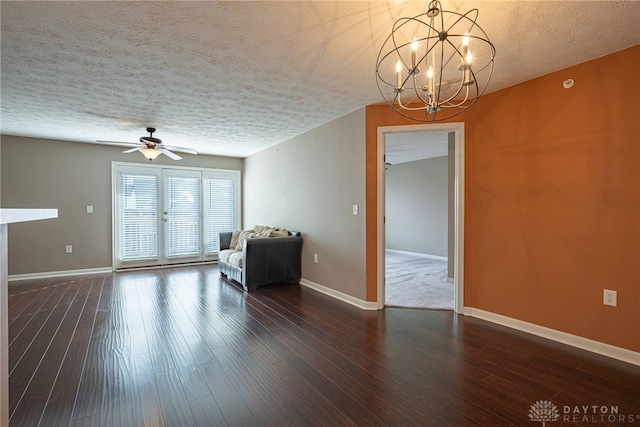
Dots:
pixel 151 147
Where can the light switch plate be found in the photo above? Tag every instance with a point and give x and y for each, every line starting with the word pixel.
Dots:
pixel 355 209
pixel 89 209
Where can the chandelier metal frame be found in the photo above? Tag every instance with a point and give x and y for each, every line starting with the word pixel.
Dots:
pixel 435 65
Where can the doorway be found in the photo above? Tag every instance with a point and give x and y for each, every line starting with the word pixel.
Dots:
pixel 419 175
pixel 457 129
pixel 168 215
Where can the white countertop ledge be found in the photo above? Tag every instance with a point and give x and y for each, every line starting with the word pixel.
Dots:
pixel 8 216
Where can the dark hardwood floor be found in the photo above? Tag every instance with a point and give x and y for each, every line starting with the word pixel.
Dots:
pixel 181 347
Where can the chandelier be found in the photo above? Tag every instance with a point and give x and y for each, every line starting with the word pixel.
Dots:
pixel 435 65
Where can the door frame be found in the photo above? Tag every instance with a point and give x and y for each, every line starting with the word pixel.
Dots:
pixel 165 259
pixel 233 173
pixel 458 264
pixel 115 218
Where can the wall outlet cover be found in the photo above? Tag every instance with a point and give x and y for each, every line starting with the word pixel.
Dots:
pixel 610 298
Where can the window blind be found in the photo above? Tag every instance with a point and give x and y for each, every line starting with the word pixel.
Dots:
pixel 183 207
pixel 219 210
pixel 139 216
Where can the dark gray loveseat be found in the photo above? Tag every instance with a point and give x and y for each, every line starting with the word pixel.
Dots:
pixel 263 260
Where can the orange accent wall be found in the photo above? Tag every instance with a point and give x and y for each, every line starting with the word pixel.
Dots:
pixel 552 200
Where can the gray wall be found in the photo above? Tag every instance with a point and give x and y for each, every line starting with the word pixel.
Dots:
pixel 416 206
pixel 310 184
pixel 37 173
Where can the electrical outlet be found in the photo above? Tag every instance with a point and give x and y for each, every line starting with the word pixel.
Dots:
pixel 315 258
pixel 89 209
pixel 68 249
pixel 610 298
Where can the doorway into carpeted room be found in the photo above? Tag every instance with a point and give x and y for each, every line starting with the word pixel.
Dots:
pixel 417 281
pixel 419 218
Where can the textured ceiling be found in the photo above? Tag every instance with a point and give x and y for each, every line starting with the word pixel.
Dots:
pixel 232 78
pixel 403 147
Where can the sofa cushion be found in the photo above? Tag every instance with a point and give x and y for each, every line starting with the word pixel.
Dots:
pixel 231 257
pixel 244 235
pixel 234 239
pixel 224 254
pixel 236 259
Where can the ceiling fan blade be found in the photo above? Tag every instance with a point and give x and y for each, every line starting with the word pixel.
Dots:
pixel 169 154
pixel 131 150
pixel 120 143
pixel 180 149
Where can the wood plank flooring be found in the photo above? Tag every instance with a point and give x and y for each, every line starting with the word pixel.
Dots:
pixel 182 347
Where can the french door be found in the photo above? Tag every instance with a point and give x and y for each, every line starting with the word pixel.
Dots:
pixel 166 215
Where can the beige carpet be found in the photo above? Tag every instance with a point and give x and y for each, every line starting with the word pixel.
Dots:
pixel 417 282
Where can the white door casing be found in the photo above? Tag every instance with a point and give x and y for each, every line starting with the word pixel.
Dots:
pixel 458 129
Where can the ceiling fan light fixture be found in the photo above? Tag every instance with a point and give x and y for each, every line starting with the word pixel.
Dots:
pixel 151 147
pixel 150 153
pixel 456 54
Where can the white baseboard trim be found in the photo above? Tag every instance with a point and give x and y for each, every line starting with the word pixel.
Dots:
pixel 365 305
pixel 48 274
pixel 608 350
pixel 441 258
pixel 451 280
